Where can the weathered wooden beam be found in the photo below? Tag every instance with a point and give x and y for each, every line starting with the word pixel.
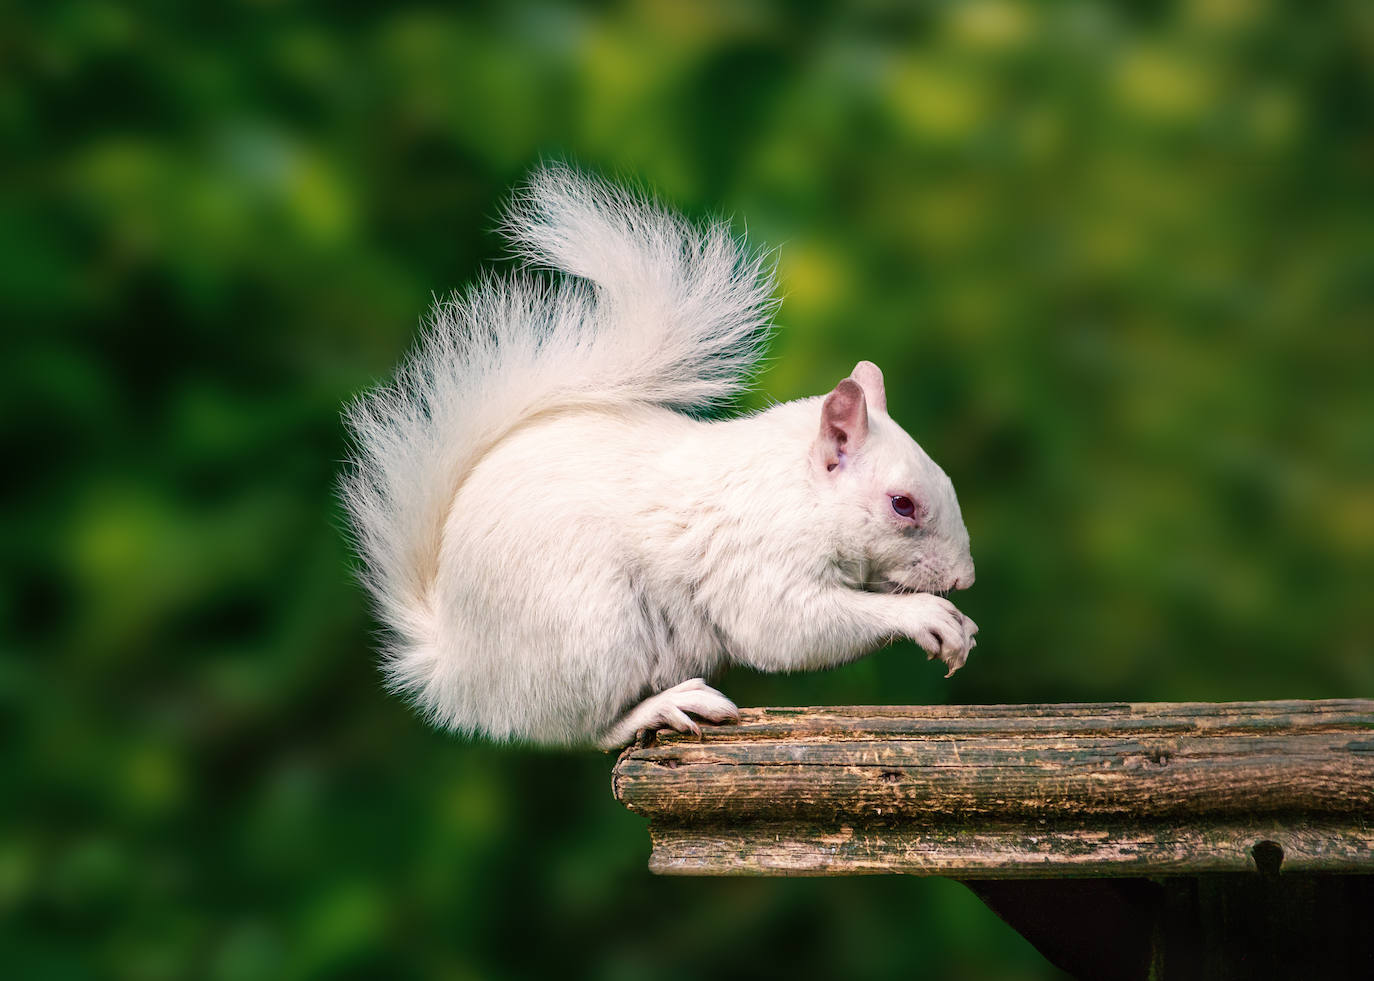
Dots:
pixel 1010 852
pixel 1013 791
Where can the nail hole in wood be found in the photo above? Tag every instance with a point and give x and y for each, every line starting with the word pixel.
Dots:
pixel 1268 856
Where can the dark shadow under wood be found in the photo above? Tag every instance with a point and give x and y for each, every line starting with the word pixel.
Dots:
pixel 1205 928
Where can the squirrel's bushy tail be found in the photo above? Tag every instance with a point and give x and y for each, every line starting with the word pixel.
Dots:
pixel 650 309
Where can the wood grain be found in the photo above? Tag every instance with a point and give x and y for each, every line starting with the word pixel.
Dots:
pixel 1015 791
pixel 1009 851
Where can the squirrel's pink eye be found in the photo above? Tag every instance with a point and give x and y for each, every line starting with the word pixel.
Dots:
pixel 904 506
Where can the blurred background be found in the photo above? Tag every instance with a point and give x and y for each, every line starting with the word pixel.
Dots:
pixel 1117 263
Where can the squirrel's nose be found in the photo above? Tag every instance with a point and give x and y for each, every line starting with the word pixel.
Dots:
pixel 964 581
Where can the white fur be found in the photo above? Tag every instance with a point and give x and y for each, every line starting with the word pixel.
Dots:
pixel 552 539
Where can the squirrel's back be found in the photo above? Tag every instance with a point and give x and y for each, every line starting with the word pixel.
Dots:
pixel 643 307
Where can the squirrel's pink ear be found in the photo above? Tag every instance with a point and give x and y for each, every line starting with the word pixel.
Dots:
pixel 844 424
pixel 870 379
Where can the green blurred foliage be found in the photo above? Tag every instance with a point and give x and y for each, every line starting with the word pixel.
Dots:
pixel 1117 262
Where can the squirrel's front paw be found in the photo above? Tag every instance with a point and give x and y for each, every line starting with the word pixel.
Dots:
pixel 946 633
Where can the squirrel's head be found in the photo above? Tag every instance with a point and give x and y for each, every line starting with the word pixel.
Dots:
pixel 898 519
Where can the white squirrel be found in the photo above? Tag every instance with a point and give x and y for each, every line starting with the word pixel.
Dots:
pixel 562 551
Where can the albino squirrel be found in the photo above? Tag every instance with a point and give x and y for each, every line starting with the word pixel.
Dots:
pixel 562 549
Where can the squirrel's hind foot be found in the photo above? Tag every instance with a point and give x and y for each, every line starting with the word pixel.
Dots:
pixel 672 709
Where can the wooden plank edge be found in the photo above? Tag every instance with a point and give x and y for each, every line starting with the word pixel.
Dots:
pixel 1013 852
pixel 840 722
